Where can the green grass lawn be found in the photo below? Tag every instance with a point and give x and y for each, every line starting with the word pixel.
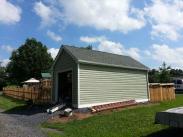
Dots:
pixel 7 103
pixel 131 122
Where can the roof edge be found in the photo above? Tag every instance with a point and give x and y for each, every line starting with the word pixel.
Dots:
pixel 60 51
pixel 111 65
pixel 70 53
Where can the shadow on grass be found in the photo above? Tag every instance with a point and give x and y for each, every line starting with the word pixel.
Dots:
pixel 169 132
pixel 28 109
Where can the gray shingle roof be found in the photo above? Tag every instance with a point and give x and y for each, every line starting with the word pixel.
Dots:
pixel 98 57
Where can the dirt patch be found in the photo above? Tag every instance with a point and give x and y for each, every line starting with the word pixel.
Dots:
pixel 63 119
pixel 80 116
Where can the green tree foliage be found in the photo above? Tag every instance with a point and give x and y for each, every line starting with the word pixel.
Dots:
pixel 2 77
pixel 89 47
pixel 162 75
pixel 29 60
pixel 153 76
pixel 176 73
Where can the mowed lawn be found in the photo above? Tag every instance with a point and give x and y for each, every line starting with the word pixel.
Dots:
pixel 7 103
pixel 131 122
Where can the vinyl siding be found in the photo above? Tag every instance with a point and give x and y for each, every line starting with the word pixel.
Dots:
pixel 65 62
pixel 99 84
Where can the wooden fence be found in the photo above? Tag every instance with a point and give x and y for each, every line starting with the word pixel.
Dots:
pixel 158 92
pixel 161 92
pixel 36 94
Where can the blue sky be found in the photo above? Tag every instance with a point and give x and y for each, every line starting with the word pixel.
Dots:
pixel 149 31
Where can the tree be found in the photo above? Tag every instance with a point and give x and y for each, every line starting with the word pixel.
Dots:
pixel 164 73
pixel 29 60
pixel 176 73
pixel 2 77
pixel 89 47
pixel 153 76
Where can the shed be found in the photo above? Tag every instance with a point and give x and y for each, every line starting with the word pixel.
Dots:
pixel 85 78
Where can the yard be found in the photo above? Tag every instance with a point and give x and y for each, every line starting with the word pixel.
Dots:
pixel 135 121
pixel 7 103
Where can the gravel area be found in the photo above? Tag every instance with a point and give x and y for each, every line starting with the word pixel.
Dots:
pixel 22 122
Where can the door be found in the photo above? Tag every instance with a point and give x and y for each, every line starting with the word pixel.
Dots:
pixel 65 87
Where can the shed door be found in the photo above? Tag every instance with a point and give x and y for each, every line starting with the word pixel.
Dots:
pixel 65 87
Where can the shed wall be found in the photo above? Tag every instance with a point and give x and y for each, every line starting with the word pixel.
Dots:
pixel 64 63
pixel 99 84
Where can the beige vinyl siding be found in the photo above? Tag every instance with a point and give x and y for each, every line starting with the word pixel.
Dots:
pixel 64 63
pixel 99 84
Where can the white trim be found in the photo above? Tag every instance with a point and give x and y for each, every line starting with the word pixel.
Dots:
pixel 78 85
pixel 141 100
pixel 148 91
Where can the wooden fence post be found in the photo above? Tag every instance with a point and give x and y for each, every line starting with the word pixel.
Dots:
pixel 161 92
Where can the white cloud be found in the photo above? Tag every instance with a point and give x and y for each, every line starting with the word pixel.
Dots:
pixel 116 15
pixel 87 39
pixel 133 52
pixel 172 56
pixel 4 62
pixel 7 48
pixel 53 52
pixel 166 18
pixel 102 14
pixel 54 36
pixel 9 13
pixel 112 47
pixel 45 13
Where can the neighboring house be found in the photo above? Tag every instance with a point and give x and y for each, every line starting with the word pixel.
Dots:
pixel 178 81
pixel 86 78
pixel 46 75
pixel 46 80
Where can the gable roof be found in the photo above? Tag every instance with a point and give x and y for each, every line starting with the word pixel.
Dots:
pixel 83 55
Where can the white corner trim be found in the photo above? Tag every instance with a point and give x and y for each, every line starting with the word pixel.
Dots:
pixel 78 85
pixel 141 100
pixel 148 91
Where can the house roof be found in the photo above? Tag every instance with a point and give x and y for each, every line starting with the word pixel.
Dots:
pixel 103 58
pixel 46 75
